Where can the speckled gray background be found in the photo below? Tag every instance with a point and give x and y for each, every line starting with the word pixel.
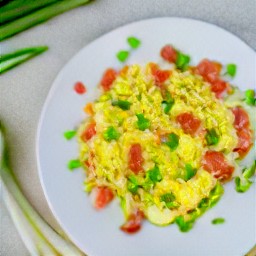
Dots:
pixel 24 89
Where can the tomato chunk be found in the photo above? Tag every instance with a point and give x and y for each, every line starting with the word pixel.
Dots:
pixel 241 118
pixel 169 54
pixel 160 76
pixel 215 163
pixel 79 88
pixel 103 197
pixel 89 132
pixel 108 78
pixel 210 71
pixel 133 224
pixel 188 122
pixel 135 158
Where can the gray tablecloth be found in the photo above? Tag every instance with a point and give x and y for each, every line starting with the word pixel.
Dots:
pixel 24 89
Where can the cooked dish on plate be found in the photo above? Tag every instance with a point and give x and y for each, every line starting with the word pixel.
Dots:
pixel 164 137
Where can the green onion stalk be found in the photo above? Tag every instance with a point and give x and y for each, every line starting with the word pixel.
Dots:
pixel 38 236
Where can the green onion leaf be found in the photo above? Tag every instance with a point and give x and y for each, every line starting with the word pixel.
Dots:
pixel 74 163
pixel 249 172
pixel 122 55
pixel 212 137
pixel 167 106
pixel 184 226
pixel 218 221
pixel 133 42
pixel 231 70
pixel 189 172
pixel 182 61
pixel 69 134
pixel 143 123
pixel 11 60
pixel 123 104
pixel 132 184
pixel 173 141
pixel 111 134
pixel 242 185
pixel 154 174
pixel 250 97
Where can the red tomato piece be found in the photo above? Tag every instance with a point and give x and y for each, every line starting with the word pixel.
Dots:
pixel 89 132
pixel 108 78
pixel 135 158
pixel 161 76
pixel 169 54
pixel 188 122
pixel 79 88
pixel 215 163
pixel 104 197
pixel 241 118
pixel 133 224
pixel 218 87
pixel 244 142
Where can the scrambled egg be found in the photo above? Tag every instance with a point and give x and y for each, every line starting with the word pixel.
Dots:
pixel 171 195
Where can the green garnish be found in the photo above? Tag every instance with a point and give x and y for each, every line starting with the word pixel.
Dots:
pixel 212 137
pixel 133 42
pixel 111 134
pixel 74 163
pixel 203 206
pixel 250 97
pixel 167 106
pixel 249 172
pixel 182 61
pixel 173 141
pixel 189 172
pixel 218 221
pixel 69 134
pixel 143 123
pixel 231 70
pixel 169 198
pixel 123 104
pixel 132 184
pixel 11 60
pixel 154 174
pixel 122 55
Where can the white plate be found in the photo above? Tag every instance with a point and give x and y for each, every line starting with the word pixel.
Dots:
pixel 97 233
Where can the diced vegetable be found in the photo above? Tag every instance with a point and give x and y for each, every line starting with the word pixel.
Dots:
pixel 218 221
pixel 11 60
pixel 122 55
pixel 169 198
pixel 249 172
pixel 132 184
pixel 167 105
pixel 231 70
pixel 69 134
pixel 133 42
pixel 73 164
pixel 182 61
pixel 38 16
pixel 111 134
pixel 154 174
pixel 173 141
pixel 250 97
pixel 123 104
pixel 212 137
pixel 143 123
pixel 135 158
pixel 190 172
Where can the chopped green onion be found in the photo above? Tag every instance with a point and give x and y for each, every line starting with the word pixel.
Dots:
pixel 74 163
pixel 169 198
pixel 218 221
pixel 242 185
pixel 132 184
pixel 133 42
pixel 111 134
pixel 122 55
pixel 143 123
pixel 190 172
pixel 173 141
pixel 250 97
pixel 184 226
pixel 154 174
pixel 123 104
pixel 167 105
pixel 231 70
pixel 249 172
pixel 212 137
pixel 38 16
pixel 69 134
pixel 182 61
pixel 11 60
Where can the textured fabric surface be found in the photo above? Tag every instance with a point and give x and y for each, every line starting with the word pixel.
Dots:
pixel 24 89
